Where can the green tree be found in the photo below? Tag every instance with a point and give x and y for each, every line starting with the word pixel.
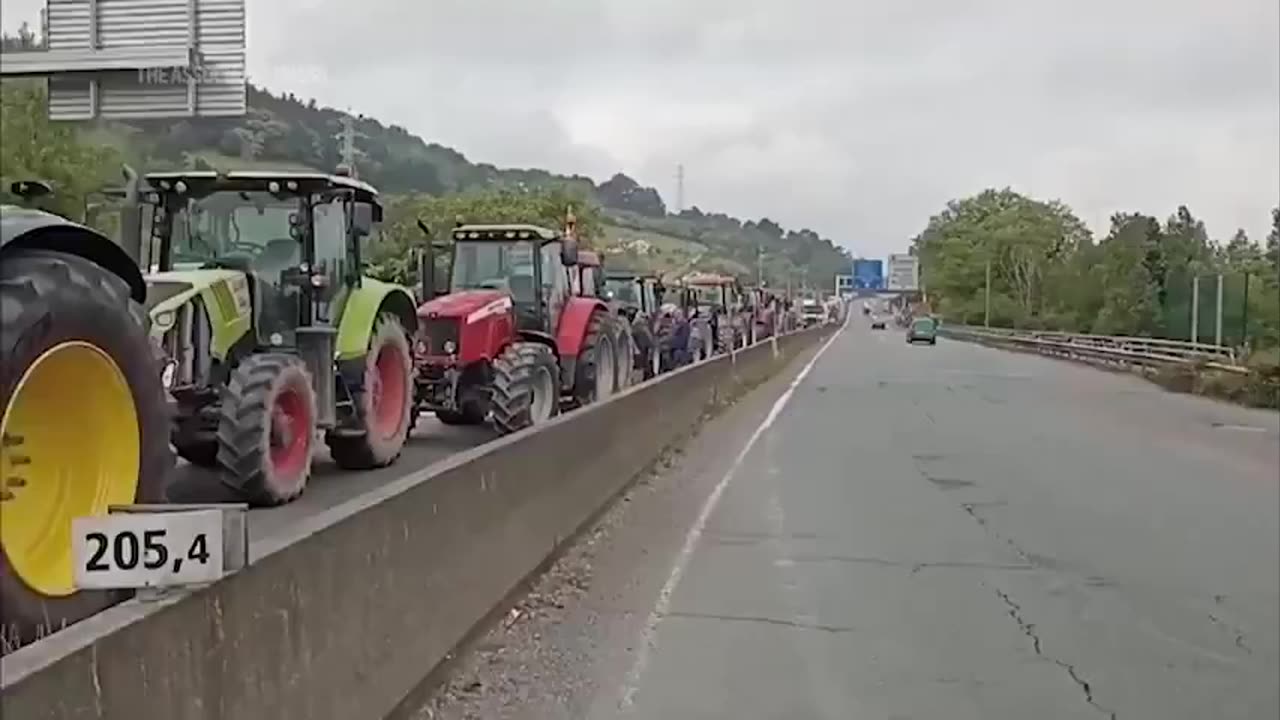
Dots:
pixel 1241 254
pixel 25 40
pixel 1026 243
pixel 35 148
pixel 1272 253
pixel 1130 304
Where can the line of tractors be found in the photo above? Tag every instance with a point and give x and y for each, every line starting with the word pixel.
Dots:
pixel 231 322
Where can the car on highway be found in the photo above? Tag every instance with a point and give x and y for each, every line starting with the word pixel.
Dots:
pixel 923 329
pixel 811 312
pixel 877 322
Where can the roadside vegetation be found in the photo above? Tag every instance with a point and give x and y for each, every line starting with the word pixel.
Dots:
pixel 1048 272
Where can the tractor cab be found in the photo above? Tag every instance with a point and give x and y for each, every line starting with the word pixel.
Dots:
pixel 514 336
pixel 294 240
pixel 590 275
pixel 634 294
pixel 679 294
pixel 720 298
pixel 532 266
pixel 714 293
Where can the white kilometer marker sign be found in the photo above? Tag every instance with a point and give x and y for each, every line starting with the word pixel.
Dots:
pixel 148 549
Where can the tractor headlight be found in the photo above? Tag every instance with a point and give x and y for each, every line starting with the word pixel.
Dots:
pixel 164 319
pixel 166 375
pixel 449 347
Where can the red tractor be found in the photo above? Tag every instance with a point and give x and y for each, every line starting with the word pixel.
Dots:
pixel 511 341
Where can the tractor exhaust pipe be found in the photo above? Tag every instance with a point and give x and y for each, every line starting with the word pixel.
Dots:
pixel 427 265
pixel 131 217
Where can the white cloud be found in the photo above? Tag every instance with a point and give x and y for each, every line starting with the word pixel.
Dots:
pixel 858 119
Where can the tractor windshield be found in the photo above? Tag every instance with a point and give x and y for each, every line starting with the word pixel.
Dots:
pixel 623 290
pixel 228 224
pixel 506 266
pixel 708 294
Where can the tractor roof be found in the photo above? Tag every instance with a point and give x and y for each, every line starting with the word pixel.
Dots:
pixel 504 232
pixel 202 182
pixel 630 275
pixel 708 279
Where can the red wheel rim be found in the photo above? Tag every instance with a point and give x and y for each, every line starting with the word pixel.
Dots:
pixel 290 433
pixel 389 395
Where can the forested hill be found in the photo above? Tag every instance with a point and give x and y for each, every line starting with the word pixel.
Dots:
pixel 290 130
pixel 281 129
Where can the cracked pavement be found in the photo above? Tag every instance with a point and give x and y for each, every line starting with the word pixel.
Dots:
pixel 948 532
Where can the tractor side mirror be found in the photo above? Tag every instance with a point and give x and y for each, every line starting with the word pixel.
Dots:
pixel 363 218
pixel 569 252
pixel 131 236
pixel 427 271
pixel 426 262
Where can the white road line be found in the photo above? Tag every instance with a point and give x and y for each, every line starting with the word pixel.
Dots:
pixel 649 635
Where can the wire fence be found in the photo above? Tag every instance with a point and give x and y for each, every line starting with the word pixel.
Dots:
pixel 1233 309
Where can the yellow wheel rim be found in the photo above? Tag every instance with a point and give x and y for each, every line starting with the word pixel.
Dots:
pixel 70 448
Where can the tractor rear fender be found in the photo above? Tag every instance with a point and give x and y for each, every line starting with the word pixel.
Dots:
pixel 362 308
pixel 573 323
pixel 567 363
pixel 26 229
pixel 540 337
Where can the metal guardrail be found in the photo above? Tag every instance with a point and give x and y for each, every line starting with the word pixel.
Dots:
pixel 1110 349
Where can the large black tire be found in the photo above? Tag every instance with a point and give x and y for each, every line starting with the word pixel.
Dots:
pixel 46 299
pixel 384 403
pixel 624 356
pixel 526 386
pixel 262 386
pixel 598 336
pixel 647 354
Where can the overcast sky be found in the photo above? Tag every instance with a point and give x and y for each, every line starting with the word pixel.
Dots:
pixel 858 119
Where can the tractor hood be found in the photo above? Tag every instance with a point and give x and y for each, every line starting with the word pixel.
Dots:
pixel 169 290
pixel 465 304
pixel 160 291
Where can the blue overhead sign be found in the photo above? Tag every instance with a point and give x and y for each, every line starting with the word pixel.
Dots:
pixel 868 274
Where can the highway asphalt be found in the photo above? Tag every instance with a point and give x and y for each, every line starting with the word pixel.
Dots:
pixel 431 441
pixel 951 532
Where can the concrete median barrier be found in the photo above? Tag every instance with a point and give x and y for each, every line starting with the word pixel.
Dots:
pixel 344 614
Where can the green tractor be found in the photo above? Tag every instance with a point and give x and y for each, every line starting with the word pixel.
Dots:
pixel 85 423
pixel 266 330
